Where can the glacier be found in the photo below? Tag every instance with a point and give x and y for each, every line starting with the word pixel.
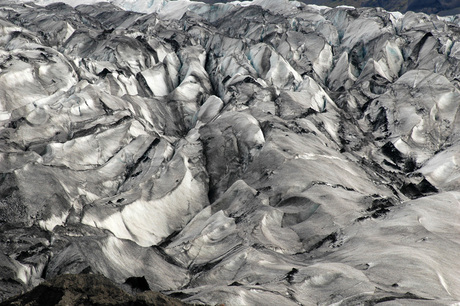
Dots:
pixel 256 153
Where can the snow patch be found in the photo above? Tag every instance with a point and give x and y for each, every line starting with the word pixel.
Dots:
pixel 53 221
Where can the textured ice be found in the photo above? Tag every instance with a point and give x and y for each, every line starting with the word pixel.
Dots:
pixel 148 221
pixel 242 153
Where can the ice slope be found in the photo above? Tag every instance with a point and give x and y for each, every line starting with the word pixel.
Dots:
pixel 301 155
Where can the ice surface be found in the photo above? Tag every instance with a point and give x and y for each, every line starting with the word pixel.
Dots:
pixel 242 153
pixel 148 221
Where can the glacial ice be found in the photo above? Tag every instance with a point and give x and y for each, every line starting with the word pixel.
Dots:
pixel 242 153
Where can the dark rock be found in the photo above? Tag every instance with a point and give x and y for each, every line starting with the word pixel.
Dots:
pixel 138 283
pixel 87 289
